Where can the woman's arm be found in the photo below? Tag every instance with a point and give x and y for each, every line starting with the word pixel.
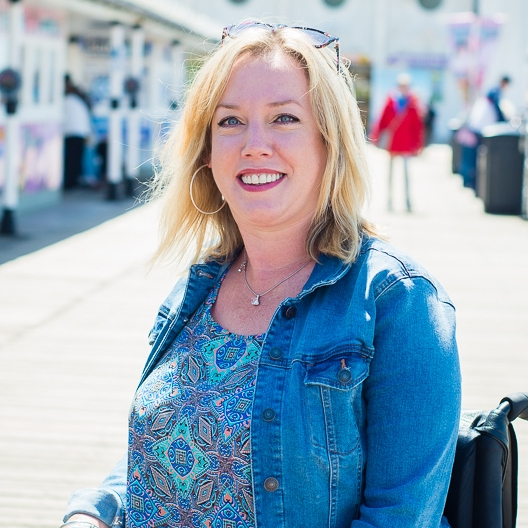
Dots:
pixel 413 403
pixel 105 504
pixel 88 518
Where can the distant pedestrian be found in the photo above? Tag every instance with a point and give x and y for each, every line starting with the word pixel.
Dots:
pixel 485 111
pixel 429 121
pixel 101 151
pixel 400 130
pixel 495 95
pixel 77 129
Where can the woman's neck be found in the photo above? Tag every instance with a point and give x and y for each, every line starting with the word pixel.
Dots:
pixel 271 253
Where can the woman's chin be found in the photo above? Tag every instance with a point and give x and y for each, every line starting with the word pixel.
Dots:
pixel 261 217
pixel 271 219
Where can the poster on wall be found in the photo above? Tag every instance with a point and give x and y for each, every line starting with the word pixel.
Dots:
pixel 40 21
pixel 473 40
pixel 40 131
pixel 41 167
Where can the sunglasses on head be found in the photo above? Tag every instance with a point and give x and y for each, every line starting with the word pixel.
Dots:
pixel 319 38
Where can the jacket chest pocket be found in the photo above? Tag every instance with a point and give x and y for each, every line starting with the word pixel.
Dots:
pixel 334 401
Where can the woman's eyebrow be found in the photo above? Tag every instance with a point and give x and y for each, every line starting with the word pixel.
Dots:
pixel 284 103
pixel 228 106
pixel 232 106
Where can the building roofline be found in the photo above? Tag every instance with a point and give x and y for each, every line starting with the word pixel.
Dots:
pixel 170 15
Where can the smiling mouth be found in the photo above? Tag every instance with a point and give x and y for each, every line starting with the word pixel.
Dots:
pixel 260 179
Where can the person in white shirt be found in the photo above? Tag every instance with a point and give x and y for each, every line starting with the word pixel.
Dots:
pixel 487 110
pixel 77 128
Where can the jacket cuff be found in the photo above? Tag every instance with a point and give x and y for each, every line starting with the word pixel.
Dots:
pixel 103 503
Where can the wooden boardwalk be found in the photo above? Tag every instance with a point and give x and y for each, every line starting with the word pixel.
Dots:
pixel 74 319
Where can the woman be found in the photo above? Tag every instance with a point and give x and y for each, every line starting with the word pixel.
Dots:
pixel 294 372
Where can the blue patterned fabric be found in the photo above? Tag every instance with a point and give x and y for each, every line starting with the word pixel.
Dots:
pixel 189 449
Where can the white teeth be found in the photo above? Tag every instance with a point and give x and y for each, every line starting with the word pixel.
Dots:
pixel 259 179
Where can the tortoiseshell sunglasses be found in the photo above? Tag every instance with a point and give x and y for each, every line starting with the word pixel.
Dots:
pixel 319 38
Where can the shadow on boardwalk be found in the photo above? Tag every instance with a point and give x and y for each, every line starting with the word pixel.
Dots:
pixel 79 210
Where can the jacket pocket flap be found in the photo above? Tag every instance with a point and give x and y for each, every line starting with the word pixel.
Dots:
pixel 343 371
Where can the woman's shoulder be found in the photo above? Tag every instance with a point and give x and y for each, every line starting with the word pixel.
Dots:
pixel 384 265
pixel 376 251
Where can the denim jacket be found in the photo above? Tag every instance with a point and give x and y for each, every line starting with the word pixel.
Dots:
pixel 357 399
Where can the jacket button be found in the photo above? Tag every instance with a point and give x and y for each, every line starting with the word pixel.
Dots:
pixel 344 375
pixel 275 353
pixel 268 415
pixel 271 484
pixel 290 312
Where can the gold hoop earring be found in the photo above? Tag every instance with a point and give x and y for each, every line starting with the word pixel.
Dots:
pixel 192 199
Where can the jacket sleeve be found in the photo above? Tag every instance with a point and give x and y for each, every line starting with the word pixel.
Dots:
pixel 412 398
pixel 106 502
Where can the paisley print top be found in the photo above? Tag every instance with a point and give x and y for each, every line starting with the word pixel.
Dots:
pixel 189 449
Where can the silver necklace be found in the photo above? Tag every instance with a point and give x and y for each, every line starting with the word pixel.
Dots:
pixel 255 301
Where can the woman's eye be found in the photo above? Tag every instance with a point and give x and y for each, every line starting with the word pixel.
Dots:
pixel 229 121
pixel 286 118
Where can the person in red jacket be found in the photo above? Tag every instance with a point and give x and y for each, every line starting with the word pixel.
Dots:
pixel 400 130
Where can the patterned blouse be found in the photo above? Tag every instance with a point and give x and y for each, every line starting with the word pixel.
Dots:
pixel 189 438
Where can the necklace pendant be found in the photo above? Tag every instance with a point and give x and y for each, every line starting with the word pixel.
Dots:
pixel 256 300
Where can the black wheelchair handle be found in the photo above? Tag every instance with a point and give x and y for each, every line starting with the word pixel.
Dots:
pixel 518 405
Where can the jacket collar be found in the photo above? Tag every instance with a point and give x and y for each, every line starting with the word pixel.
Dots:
pixel 327 271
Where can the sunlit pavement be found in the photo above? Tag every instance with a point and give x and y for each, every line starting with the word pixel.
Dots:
pixel 74 319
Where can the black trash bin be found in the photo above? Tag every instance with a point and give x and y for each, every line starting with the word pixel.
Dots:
pixel 500 169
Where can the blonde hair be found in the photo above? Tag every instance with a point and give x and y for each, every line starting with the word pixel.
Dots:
pixel 337 224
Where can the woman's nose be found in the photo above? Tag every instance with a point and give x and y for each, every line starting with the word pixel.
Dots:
pixel 257 142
